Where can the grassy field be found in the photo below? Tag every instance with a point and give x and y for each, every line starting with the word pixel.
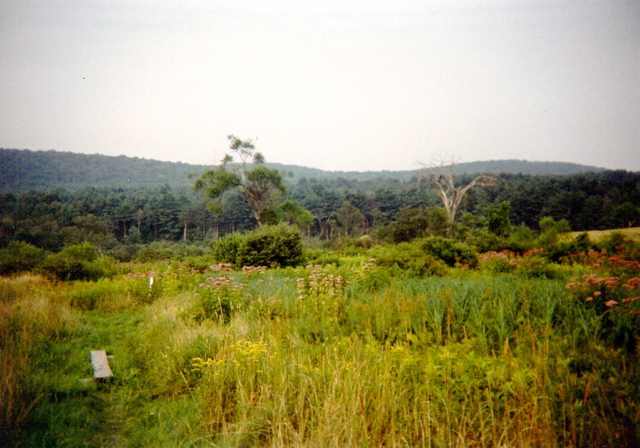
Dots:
pixel 632 233
pixel 521 352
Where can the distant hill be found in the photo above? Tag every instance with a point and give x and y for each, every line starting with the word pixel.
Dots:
pixel 22 170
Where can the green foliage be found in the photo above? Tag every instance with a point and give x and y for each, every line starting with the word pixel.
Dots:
pixel 88 229
pixel 273 246
pixel 321 257
pixel 498 219
pixel 319 305
pixel 411 224
pixel 364 241
pixel 294 214
pixel 611 291
pixel 219 297
pixel 410 258
pixel 164 250
pixel 437 221
pixel 225 249
pixel 539 266
pixel 497 262
pixel 126 252
pixel 350 219
pixel 20 257
pixel 450 251
pixel 550 231
pixel 566 247
pixel 77 262
pixel 260 187
pixel 613 242
pixel 111 295
pixel 521 240
pixel 626 215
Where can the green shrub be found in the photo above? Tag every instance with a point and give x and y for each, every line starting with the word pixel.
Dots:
pixel 450 251
pixel 77 262
pixel 580 243
pixel 153 252
pixel 322 257
pixel 274 246
pixel 538 266
pixel 411 223
pixel 520 240
pixel 550 231
pixel 409 258
pixel 124 252
pixel 20 257
pixel 164 250
pixel 225 249
pixel 497 262
pixel 613 241
pixel 364 241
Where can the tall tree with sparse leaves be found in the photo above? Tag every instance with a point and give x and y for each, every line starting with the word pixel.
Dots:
pixel 441 177
pixel 260 187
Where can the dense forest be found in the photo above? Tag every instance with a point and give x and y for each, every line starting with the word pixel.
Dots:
pixel 385 207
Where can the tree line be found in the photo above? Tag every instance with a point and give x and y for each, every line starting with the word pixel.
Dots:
pixel 390 209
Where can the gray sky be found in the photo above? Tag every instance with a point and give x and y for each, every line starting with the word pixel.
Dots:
pixel 338 85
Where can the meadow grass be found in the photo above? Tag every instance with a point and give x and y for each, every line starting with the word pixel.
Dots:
pixel 631 233
pixel 342 355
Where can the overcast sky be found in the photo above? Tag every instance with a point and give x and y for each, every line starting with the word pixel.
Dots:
pixel 337 85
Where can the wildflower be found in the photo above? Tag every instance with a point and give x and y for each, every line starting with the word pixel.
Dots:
pixel 611 303
pixel 597 293
pixel 611 281
pixel 631 283
pixel 589 299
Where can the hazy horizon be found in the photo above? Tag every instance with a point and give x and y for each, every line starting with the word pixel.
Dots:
pixel 335 85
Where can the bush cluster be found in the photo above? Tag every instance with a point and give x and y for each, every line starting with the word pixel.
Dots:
pixel 20 257
pixel 450 251
pixel 409 258
pixel 77 262
pixel 272 246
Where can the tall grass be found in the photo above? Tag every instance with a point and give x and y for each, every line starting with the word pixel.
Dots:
pixel 32 310
pixel 349 355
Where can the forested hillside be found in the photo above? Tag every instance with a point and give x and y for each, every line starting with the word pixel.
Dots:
pixel 388 209
pixel 23 170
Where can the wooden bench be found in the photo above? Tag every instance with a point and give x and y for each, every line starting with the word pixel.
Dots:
pixel 100 363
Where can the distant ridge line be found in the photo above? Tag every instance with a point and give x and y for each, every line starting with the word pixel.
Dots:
pixel 24 169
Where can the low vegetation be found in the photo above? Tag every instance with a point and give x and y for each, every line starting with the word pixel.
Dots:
pixel 484 341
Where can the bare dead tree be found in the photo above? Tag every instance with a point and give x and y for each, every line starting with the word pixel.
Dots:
pixel 441 177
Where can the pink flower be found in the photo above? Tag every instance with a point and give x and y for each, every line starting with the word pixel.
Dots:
pixel 611 303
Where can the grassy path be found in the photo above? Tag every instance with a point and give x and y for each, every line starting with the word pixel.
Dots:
pixel 74 409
